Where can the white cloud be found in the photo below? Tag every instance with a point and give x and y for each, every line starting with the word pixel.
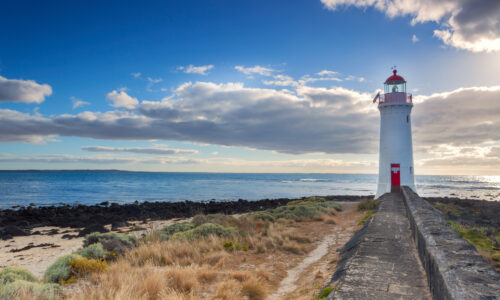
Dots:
pixel 264 71
pixel 472 25
pixel 122 100
pixel 78 102
pixel 323 120
pixel 414 39
pixel 327 73
pixel 281 80
pixel 155 80
pixel 27 91
pixel 202 70
pixel 136 75
pixel 142 150
pixel 303 120
pixel 151 82
pixel 285 80
pixel 463 117
pixel 352 77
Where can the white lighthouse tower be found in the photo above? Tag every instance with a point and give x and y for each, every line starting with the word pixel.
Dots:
pixel 396 151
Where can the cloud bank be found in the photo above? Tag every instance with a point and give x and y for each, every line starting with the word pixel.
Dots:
pixel 152 150
pixel 27 91
pixel 472 25
pixel 460 126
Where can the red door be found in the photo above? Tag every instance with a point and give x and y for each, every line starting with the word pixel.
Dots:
pixel 395 177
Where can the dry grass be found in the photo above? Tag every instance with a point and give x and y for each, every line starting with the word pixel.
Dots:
pixel 254 289
pixel 204 268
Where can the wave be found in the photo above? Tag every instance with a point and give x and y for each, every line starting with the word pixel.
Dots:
pixel 313 180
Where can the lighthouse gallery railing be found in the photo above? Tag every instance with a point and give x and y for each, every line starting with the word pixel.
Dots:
pixel 396 97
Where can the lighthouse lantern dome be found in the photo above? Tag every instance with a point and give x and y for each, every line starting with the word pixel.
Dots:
pixel 395 84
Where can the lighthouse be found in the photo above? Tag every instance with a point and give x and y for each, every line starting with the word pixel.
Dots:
pixel 396 151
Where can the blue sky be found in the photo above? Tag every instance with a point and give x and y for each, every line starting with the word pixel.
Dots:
pixel 123 59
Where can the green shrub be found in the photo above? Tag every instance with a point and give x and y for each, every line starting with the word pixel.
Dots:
pixel 368 204
pixel 114 243
pixel 203 231
pixel 95 251
pixel 307 200
pixel 81 266
pixel 168 231
pixel 60 271
pixel 11 274
pixel 19 288
pixel 228 246
pixel 263 216
pixel 307 209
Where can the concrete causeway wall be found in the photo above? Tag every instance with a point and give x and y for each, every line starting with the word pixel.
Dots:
pixel 455 270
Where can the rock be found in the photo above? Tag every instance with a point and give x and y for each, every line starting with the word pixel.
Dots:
pixel 69 236
pixel 118 224
pixel 5 237
pixel 13 231
pixel 53 231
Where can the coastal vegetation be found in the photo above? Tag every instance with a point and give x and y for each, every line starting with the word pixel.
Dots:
pixel 213 256
pixel 367 206
pixel 477 223
pixel 484 239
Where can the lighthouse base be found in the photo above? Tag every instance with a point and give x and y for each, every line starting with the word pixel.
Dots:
pixel 384 188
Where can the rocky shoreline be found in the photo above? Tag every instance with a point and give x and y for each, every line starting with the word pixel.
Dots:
pixel 470 212
pixel 91 218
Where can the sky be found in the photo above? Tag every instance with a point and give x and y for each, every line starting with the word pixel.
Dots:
pixel 246 86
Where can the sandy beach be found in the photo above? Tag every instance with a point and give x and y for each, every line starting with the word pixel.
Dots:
pixel 38 251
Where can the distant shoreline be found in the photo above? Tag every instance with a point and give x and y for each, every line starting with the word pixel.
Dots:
pixel 163 172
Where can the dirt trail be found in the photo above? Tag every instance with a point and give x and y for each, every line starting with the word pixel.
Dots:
pixel 307 278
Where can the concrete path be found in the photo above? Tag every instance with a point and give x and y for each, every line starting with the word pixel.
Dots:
pixel 381 262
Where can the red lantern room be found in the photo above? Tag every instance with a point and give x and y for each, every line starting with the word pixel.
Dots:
pixel 395 90
pixel 395 84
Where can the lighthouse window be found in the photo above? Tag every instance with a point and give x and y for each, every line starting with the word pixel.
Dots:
pixel 407 118
pixel 411 170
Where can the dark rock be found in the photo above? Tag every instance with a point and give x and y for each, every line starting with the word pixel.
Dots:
pixel 53 231
pixel 5 237
pixel 79 216
pixel 118 224
pixel 69 236
pixel 13 231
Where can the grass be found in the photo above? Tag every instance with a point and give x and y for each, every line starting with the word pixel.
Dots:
pixel 22 289
pixel 447 208
pixel 365 218
pixel 203 231
pixel 189 260
pixel 485 240
pixel 18 283
pixel 325 292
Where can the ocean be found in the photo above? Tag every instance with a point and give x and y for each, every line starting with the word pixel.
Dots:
pixel 87 187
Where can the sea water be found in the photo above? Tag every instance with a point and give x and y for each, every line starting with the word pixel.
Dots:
pixel 54 188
